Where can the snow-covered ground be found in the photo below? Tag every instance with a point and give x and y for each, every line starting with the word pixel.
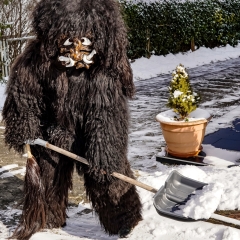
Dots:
pixel 222 193
pixel 144 68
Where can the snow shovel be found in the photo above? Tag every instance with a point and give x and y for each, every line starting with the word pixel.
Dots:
pixel 176 191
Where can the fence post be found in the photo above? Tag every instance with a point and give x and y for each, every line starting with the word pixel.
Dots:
pixel 192 44
pixel 4 58
pixel 148 54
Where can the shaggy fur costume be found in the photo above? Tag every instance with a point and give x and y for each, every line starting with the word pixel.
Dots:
pixel 82 110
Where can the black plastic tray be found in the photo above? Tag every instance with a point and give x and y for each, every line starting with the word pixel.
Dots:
pixel 177 190
pixel 197 160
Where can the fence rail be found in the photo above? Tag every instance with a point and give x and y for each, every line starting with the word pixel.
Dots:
pixel 5 51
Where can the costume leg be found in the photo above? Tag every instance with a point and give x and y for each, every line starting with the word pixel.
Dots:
pixel 45 194
pixel 116 203
pixel 56 191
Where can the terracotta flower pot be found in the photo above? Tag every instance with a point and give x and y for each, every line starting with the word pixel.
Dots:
pixel 183 139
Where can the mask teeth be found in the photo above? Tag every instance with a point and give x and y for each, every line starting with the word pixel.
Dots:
pixel 90 56
pixel 70 62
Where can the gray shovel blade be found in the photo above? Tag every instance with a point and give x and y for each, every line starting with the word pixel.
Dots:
pixel 177 190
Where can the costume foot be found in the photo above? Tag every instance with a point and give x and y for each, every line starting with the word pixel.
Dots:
pixel 124 232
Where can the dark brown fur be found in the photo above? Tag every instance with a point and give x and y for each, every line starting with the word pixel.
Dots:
pixel 81 110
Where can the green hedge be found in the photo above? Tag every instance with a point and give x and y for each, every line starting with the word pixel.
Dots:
pixel 173 26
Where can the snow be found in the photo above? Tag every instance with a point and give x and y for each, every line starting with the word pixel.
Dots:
pixel 144 68
pixel 204 203
pixel 177 93
pixel 2 96
pixel 13 173
pixel 222 191
pixel 198 114
pixel 8 167
pixel 9 172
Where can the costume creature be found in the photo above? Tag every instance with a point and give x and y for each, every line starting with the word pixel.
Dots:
pixel 70 86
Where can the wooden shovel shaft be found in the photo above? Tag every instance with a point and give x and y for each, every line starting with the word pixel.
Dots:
pixel 134 182
pixel 29 154
pixel 66 153
pixel 115 174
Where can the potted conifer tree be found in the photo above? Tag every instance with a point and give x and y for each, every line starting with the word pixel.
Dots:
pixel 183 126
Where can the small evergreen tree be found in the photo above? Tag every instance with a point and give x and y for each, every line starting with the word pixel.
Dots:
pixel 182 99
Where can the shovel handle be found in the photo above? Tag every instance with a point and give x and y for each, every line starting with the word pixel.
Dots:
pixel 83 160
pixel 66 153
pixel 134 182
pixel 225 219
pixel 29 154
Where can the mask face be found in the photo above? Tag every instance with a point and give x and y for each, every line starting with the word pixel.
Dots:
pixel 76 52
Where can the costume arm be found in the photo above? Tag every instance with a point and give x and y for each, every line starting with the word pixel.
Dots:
pixel 106 128
pixel 22 107
pixel 126 77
